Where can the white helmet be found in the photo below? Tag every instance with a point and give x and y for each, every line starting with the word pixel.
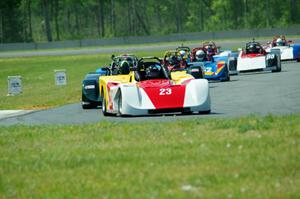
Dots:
pixel 182 53
pixel 279 42
pixel 200 55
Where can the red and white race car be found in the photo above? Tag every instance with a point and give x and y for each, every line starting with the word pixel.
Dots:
pixel 254 58
pixel 149 89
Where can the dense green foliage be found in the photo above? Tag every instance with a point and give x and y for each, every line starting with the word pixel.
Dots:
pixel 252 157
pixel 54 20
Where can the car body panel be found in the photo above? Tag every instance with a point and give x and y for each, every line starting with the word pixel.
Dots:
pixel 141 101
pixel 251 62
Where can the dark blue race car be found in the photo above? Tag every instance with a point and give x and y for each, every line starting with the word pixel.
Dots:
pixel 90 88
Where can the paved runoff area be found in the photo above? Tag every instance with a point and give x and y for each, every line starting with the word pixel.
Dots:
pixel 13 113
pixel 260 93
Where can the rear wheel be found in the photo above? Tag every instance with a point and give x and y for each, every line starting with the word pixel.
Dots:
pixel 86 104
pixel 227 77
pixel 232 66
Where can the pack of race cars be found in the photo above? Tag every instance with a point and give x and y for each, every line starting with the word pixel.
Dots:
pixel 178 82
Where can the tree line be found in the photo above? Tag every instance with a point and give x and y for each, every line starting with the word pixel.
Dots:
pixel 56 20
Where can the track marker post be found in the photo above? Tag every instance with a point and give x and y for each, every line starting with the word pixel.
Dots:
pixel 60 77
pixel 14 85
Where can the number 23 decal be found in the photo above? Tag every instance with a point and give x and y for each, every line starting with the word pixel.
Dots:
pixel 165 91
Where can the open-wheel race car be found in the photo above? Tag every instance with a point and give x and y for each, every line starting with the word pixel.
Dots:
pixel 90 84
pixel 254 58
pixel 215 62
pixel 288 50
pixel 150 89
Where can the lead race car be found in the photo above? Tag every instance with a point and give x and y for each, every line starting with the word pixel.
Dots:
pixel 254 58
pixel 150 89
pixel 90 84
pixel 288 50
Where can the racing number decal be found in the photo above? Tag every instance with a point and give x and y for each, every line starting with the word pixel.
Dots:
pixel 165 91
pixel 208 70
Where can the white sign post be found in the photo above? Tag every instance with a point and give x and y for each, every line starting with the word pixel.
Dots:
pixel 60 77
pixel 14 85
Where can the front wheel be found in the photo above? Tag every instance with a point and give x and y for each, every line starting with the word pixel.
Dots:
pixel 120 105
pixel 204 112
pixel 104 108
pixel 278 66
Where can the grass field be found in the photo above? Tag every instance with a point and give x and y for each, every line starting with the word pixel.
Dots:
pixel 250 157
pixel 39 90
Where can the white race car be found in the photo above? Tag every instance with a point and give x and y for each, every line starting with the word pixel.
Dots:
pixel 254 58
pixel 288 51
pixel 149 89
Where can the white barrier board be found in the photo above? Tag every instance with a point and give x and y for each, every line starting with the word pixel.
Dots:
pixel 14 85
pixel 60 77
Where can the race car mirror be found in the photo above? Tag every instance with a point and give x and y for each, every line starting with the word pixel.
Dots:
pixel 14 85
pixel 60 77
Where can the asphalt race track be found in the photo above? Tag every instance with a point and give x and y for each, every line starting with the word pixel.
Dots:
pixel 258 93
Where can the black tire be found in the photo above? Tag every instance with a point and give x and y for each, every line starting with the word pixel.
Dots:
pixel 120 105
pixel 227 78
pixel 204 112
pixel 278 66
pixel 85 104
pixel 187 112
pixel 104 108
pixel 232 64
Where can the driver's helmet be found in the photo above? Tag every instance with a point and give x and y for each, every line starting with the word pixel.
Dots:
pixel 200 55
pixel 182 54
pixel 209 48
pixel 153 71
pixel 124 67
pixel 251 48
pixel 279 42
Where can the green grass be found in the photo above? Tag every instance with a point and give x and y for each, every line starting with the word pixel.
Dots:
pixel 250 157
pixel 39 90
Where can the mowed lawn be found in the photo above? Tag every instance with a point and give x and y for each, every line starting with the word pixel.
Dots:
pixel 39 89
pixel 250 157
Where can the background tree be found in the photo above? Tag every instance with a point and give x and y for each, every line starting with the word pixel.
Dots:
pixel 40 20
